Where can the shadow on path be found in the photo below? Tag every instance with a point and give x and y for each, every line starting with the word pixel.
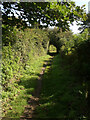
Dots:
pixel 33 101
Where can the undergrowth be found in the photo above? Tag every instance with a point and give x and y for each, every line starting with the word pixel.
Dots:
pixel 26 87
pixel 22 56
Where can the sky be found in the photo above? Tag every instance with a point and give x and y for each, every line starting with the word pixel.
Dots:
pixel 74 28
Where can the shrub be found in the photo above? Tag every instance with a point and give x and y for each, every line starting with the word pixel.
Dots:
pixel 20 47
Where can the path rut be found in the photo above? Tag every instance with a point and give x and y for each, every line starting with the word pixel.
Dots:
pixel 33 102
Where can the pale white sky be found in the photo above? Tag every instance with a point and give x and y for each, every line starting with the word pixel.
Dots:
pixel 74 28
pixel 82 2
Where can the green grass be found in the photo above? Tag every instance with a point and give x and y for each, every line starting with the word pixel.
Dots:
pixel 52 49
pixel 27 86
pixel 62 95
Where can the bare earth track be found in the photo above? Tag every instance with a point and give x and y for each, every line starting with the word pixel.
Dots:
pixel 33 102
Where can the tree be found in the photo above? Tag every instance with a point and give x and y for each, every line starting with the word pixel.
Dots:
pixel 58 14
pixel 85 24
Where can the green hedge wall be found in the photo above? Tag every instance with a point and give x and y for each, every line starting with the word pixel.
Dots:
pixel 20 48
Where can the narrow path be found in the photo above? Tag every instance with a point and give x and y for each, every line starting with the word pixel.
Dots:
pixel 33 102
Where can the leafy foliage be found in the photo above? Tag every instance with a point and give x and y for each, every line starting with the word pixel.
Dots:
pixel 20 48
pixel 85 24
pixel 50 13
pixel 60 39
pixel 77 54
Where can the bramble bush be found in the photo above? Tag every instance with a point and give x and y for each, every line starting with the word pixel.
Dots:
pixel 20 48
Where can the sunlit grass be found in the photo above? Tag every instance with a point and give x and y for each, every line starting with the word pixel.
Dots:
pixel 52 49
pixel 28 84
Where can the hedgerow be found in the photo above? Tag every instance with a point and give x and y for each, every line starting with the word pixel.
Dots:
pixel 20 48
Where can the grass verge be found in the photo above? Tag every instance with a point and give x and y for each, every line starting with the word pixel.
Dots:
pixel 63 94
pixel 26 87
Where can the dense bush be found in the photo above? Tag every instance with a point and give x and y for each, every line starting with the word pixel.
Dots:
pixel 20 48
pixel 83 57
pixel 76 52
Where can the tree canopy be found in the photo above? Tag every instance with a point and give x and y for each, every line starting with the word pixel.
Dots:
pixel 85 24
pixel 42 14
